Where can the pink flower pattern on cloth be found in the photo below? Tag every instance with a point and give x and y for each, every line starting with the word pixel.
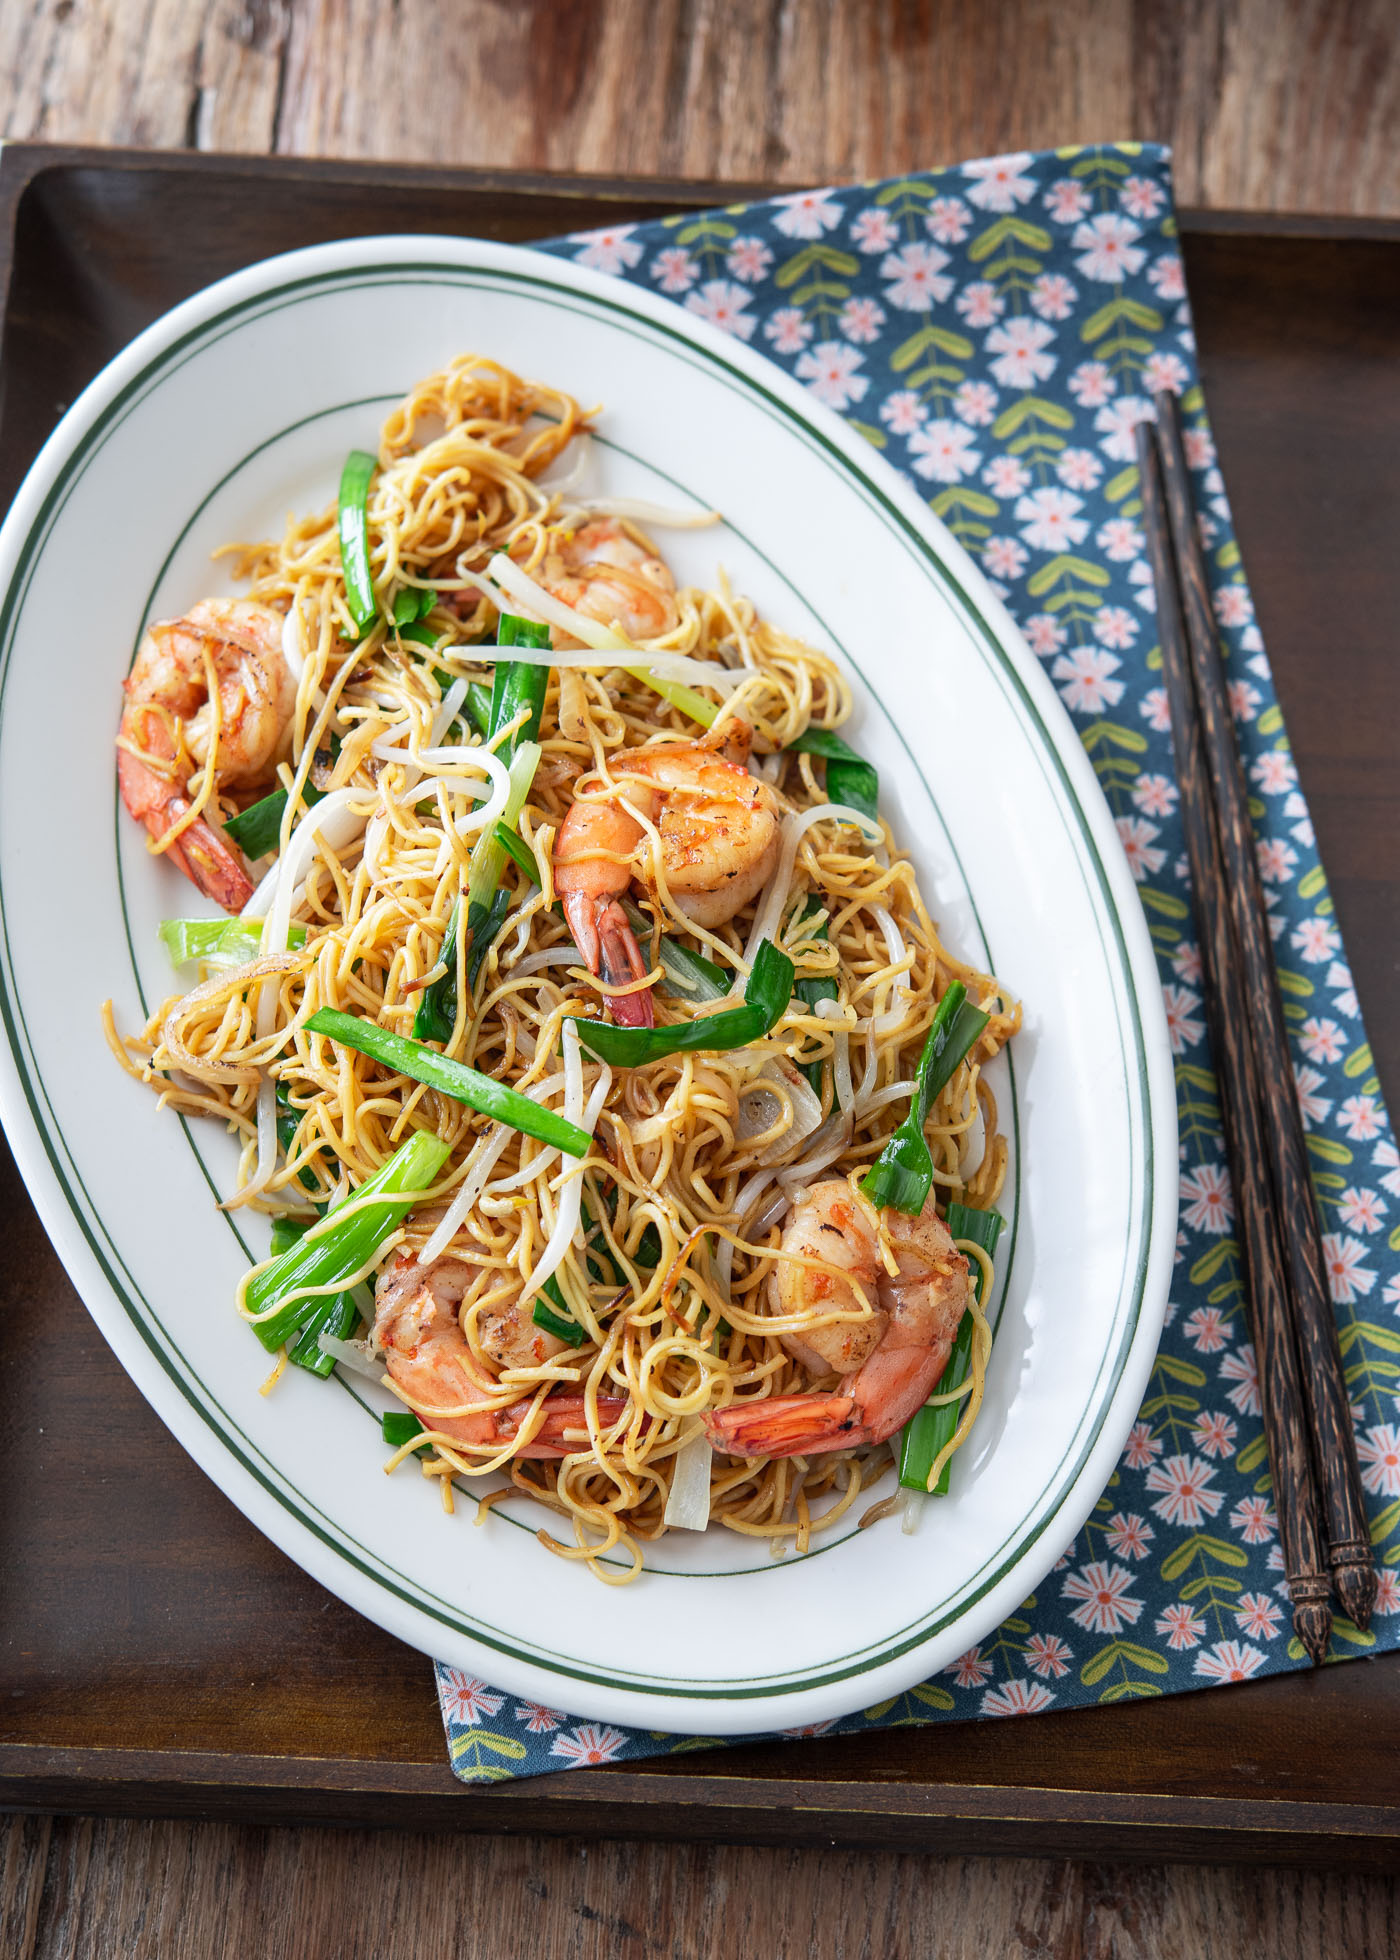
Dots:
pixel 995 328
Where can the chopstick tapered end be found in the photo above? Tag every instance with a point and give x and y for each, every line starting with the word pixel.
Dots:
pixel 1356 1585
pixel 1312 1623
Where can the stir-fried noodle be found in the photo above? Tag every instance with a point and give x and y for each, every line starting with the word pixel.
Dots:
pixel 664 1243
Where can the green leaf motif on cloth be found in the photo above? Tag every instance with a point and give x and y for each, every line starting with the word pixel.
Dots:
pixel 998 327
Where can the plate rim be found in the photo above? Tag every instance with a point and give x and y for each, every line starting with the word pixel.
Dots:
pixel 730 1709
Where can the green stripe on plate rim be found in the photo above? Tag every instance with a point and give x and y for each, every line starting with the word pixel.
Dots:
pixel 561 295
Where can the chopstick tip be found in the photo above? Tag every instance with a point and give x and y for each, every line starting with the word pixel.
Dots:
pixel 1312 1623
pixel 1356 1586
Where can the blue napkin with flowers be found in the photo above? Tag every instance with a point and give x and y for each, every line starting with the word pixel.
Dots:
pixel 995 329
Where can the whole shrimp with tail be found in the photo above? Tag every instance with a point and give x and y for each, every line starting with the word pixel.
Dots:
pixel 169 721
pixel 890 1363
pixel 718 824
pixel 432 1366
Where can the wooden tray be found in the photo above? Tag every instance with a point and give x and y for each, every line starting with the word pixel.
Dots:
pixel 160 1657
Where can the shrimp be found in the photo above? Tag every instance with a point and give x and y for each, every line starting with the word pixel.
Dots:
pixel 719 846
pixel 603 573
pixel 436 1373
pixel 890 1363
pixel 168 713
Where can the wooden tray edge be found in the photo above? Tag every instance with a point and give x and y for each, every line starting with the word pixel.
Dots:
pixel 954 1820
pixel 949 1819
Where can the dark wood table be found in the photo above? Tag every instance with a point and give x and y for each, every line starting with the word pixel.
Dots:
pixel 157 1658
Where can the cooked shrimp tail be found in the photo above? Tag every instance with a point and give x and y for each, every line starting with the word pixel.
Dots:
pixel 206 856
pixel 621 961
pixel 787 1425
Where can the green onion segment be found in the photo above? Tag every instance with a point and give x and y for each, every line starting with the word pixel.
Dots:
pixel 561 1325
pixel 399 1426
pixel 688 974
pixel 930 1430
pixel 849 777
pixel 455 1079
pixel 340 1316
pixel 518 684
pixel 902 1173
pixel 518 851
pixel 485 925
pixel 256 829
pixel 354 537
pixel 478 703
pixel 766 995
pixel 218 942
pixel 341 1247
pixel 288 1123
pixel 412 603
pixel 437 1005
pixel 486 905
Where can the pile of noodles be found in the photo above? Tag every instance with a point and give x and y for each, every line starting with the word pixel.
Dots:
pixel 696 1158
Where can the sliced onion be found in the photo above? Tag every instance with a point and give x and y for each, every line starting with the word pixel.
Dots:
pixel 894 938
pixel 769 1214
pixel 895 1092
pixel 893 1017
pixel 722 1266
pixel 759 1108
pixel 722 1269
pixel 574 474
pixel 261 968
pixel 688 1501
pixel 357 1356
pixel 547 956
pixel 573 706
pixel 749 1192
pixel 794 827
pixel 915 1504
pixel 972 1145
pixel 825 1147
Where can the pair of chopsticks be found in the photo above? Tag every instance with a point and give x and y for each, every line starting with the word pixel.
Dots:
pixel 1307 1420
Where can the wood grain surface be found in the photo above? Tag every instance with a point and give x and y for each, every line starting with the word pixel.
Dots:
pixel 1269 104
pixel 87 1889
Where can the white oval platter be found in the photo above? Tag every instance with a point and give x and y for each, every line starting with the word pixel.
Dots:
pixel 239 407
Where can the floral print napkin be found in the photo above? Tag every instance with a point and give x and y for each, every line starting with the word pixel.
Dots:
pixel 994 329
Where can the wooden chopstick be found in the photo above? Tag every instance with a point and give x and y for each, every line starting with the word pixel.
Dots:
pixel 1259 1018
pixel 1280 1387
